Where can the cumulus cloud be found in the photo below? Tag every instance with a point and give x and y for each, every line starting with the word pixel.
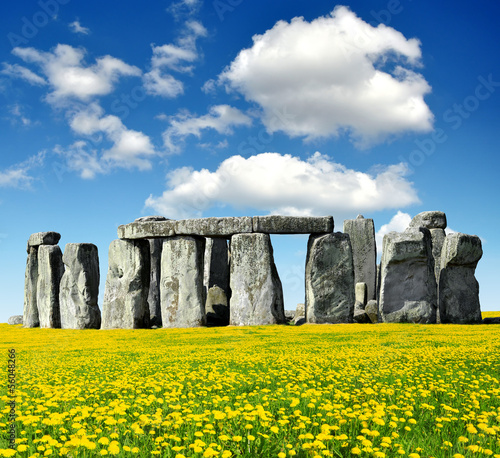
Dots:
pixel 398 223
pixel 68 75
pixel 335 75
pixel 184 8
pixel 76 27
pixel 283 184
pixel 18 176
pixel 179 57
pixel 18 71
pixel 81 158
pixel 130 148
pixel 221 118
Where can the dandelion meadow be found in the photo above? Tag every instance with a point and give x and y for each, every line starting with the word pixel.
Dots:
pixel 378 391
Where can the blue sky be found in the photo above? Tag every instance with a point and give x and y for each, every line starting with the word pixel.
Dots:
pixel 229 107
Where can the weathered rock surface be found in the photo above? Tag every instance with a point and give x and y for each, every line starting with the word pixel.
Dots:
pixel 437 237
pixel 360 293
pixel 275 224
pixel 458 287
pixel 371 309
pixel 408 284
pixel 364 251
pixel 15 319
pixel 207 227
pixel 491 320
pixel 125 303
pixel 79 288
pixel 144 219
pixel 216 270
pixel 256 291
pixel 300 312
pixel 429 220
pixel 154 296
pixel 30 311
pixel 181 286
pixel 217 307
pixel 50 272
pixel 329 279
pixel 43 238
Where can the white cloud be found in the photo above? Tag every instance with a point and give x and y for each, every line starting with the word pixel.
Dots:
pixel 398 223
pixel 283 184
pixel 173 57
pixel 221 118
pixel 18 175
pixel 158 83
pixel 184 8
pixel 130 148
pixel 334 75
pixel 70 78
pixel 17 115
pixel 80 158
pixel 18 71
pixel 76 27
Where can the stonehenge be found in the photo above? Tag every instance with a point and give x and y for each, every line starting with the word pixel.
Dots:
pixel 329 279
pixel 221 271
pixel 79 287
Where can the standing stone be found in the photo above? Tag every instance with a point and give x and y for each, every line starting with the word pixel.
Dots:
pixel 30 312
pixel 217 307
pixel 50 272
pixel 154 296
pixel 79 287
pixel 329 279
pixel 435 221
pixel 361 292
pixel 256 291
pixel 360 316
pixel 181 286
pixel 127 285
pixel 458 287
pixel 364 251
pixel 407 282
pixel 216 281
pixel 437 238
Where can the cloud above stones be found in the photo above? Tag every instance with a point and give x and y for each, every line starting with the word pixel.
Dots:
pixel 129 148
pixel 283 184
pixel 70 78
pixel 221 118
pixel 76 27
pixel 334 75
pixel 18 176
pixel 179 57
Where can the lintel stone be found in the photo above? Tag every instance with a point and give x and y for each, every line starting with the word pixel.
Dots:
pixel 275 224
pixel 43 238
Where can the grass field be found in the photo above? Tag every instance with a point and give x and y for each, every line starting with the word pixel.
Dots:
pixel 275 391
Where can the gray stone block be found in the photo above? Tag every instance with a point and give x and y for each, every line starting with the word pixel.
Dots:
pixel 43 238
pixel 458 287
pixel 408 283
pixel 79 288
pixel 181 286
pixel 329 279
pixel 275 224
pixel 364 252
pixel 50 272
pixel 30 312
pixel 125 303
pixel 256 291
pixel 429 220
pixel 15 319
